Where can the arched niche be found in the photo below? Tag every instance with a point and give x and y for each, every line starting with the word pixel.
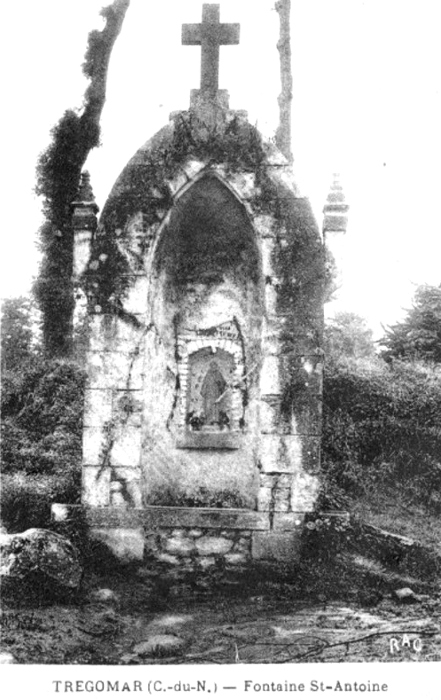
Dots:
pixel 206 272
pixel 205 305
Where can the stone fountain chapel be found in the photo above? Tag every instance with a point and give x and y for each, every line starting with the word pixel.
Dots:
pixel 204 278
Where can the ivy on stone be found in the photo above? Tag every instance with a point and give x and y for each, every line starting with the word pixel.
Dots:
pixel 58 178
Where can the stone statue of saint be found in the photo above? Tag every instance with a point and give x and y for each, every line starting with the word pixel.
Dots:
pixel 213 386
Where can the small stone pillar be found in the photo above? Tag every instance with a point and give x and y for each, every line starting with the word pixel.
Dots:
pixel 335 223
pixel 84 222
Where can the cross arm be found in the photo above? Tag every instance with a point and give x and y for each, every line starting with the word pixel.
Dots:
pixel 191 34
pixel 229 33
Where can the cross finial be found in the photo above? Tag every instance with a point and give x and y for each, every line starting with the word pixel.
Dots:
pixel 209 36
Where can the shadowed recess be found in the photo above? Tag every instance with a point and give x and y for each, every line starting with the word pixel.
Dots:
pixel 209 235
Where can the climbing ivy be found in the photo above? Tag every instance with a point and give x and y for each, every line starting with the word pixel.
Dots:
pixel 58 177
pixel 142 188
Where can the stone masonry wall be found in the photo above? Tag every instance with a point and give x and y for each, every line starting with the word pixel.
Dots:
pixel 131 357
pixel 197 549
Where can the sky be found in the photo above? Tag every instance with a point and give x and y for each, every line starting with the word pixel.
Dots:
pixel 366 103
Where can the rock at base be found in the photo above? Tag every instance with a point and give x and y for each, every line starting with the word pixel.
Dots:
pixel 41 552
pixel 406 595
pixel 104 595
pixel 6 658
pixel 160 645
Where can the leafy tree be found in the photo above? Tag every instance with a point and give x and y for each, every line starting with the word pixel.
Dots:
pixel 347 335
pixel 58 178
pixel 19 333
pixel 418 337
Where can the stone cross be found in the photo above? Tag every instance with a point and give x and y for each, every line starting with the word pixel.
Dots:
pixel 209 36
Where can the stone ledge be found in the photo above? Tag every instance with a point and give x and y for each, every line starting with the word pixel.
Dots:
pixel 209 441
pixel 152 517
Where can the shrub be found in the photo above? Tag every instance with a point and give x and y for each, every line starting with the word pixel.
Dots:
pixel 381 425
pixel 26 499
pixel 42 418
pixel 42 408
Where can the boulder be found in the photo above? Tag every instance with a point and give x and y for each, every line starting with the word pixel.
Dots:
pixel 42 553
pixel 406 595
pixel 7 658
pixel 160 645
pixel 104 595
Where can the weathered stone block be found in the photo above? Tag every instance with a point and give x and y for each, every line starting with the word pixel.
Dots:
pixel 270 376
pixel 177 532
pixel 273 156
pixel 267 480
pixel 177 182
pixel 127 407
pixel 118 498
pixel 115 370
pixel 264 499
pixel 168 558
pixel 206 562
pixel 59 512
pixel 96 483
pixel 129 485
pixel 281 453
pixel 311 453
pixel 282 500
pixel 275 546
pixel 267 248
pixel 180 545
pixel 244 184
pixel 126 545
pixel 129 333
pixel 82 240
pixel 151 542
pixel 213 545
pixel 195 532
pixel 304 377
pixel 284 179
pixel 126 474
pixel 305 489
pixel 288 521
pixel 283 481
pixel 126 446
pixel 192 167
pixel 97 407
pixel 271 300
pixel 237 559
pixel 265 226
pixel 135 300
pixel 109 333
pixel 96 443
pixel 271 418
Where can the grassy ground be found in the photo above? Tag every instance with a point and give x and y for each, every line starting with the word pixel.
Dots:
pixel 392 510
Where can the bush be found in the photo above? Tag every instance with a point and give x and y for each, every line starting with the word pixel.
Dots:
pixel 381 425
pixel 42 407
pixel 42 418
pixel 26 499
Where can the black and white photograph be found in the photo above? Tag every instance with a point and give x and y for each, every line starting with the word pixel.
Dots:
pixel 221 348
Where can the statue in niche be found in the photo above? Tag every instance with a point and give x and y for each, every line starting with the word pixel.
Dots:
pixel 213 392
pixel 209 392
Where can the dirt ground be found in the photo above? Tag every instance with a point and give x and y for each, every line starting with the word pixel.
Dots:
pixel 123 621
